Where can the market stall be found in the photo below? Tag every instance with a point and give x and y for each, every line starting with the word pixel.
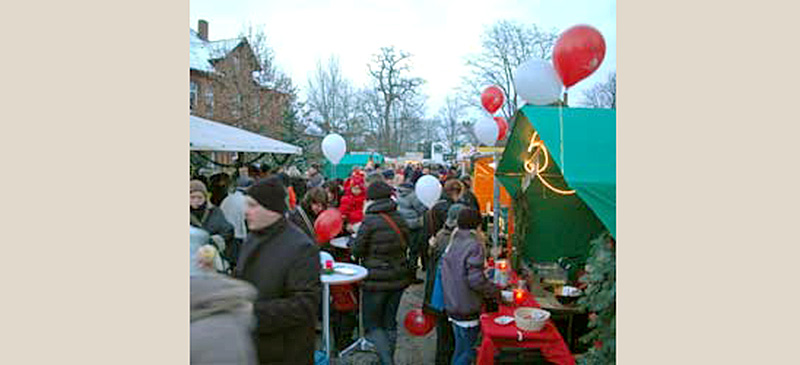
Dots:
pixel 483 184
pixel 558 213
pixel 350 160
pixel 217 138
pixel 207 135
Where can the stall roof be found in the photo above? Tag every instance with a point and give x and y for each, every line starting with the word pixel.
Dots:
pixel 207 135
pixel 589 153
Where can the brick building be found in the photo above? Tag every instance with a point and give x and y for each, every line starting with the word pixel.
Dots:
pixel 224 86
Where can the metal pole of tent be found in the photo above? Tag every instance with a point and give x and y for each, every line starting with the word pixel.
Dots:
pixel 495 206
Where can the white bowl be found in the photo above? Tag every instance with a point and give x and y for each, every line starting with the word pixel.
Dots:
pixel 531 319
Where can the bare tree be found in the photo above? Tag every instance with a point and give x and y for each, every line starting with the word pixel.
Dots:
pixel 603 94
pixel 389 72
pixel 369 115
pixel 505 45
pixel 452 119
pixel 332 100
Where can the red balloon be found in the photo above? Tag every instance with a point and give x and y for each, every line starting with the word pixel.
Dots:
pixel 328 225
pixel 418 323
pixel 578 52
pixel 492 99
pixel 502 127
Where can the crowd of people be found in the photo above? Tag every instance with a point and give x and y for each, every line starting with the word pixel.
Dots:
pixel 255 274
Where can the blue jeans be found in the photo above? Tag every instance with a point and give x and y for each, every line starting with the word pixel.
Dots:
pixel 466 341
pixel 380 321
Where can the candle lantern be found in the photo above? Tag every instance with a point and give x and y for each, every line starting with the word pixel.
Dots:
pixel 501 274
pixel 519 296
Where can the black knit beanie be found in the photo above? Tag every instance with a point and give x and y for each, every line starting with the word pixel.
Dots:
pixel 379 190
pixel 469 219
pixel 270 193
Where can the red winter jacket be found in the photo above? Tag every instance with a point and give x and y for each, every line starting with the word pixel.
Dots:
pixel 352 206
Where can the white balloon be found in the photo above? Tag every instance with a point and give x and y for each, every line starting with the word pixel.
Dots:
pixel 334 147
pixel 428 190
pixel 537 82
pixel 486 130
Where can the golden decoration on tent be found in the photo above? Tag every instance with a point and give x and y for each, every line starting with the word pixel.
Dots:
pixel 534 148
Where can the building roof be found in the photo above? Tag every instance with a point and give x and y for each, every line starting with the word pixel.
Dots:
pixel 202 52
pixel 199 53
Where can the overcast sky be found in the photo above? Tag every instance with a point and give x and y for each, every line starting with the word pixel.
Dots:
pixel 438 33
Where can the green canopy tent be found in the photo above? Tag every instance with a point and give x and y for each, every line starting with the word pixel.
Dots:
pixel 345 166
pixel 553 224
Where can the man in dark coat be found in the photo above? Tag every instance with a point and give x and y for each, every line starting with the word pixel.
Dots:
pixel 282 262
pixel 381 243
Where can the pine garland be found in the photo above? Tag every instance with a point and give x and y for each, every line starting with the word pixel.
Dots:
pixel 600 301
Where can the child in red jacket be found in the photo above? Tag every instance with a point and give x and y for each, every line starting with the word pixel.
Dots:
pixel 352 204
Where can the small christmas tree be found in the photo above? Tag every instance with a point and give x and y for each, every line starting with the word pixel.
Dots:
pixel 600 301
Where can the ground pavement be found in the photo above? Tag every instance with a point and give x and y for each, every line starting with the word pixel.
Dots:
pixel 410 349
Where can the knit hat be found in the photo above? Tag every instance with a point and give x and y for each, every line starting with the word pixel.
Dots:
pixel 197 185
pixel 469 219
pixel 270 193
pixel 379 190
pixel 452 215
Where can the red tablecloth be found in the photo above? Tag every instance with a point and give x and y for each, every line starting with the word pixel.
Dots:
pixel 495 336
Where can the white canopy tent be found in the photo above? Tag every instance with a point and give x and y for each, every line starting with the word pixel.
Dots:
pixel 206 135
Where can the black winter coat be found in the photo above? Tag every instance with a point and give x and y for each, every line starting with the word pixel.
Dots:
pixel 283 264
pixel 296 217
pixel 470 200
pixel 214 223
pixel 436 216
pixel 381 248
pixel 300 186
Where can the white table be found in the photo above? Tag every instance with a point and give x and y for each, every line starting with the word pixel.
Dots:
pixel 341 242
pixel 336 279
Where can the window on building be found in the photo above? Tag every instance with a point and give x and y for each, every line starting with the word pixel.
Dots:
pixel 193 95
pixel 237 109
pixel 210 100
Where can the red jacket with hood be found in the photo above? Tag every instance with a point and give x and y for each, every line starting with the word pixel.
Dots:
pixel 352 206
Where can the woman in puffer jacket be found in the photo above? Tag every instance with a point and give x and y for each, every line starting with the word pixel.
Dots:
pixel 381 244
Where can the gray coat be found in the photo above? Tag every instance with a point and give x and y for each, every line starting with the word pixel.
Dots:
pixel 464 284
pixel 221 320
pixel 410 208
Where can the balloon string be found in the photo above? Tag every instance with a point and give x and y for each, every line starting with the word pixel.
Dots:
pixel 561 132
